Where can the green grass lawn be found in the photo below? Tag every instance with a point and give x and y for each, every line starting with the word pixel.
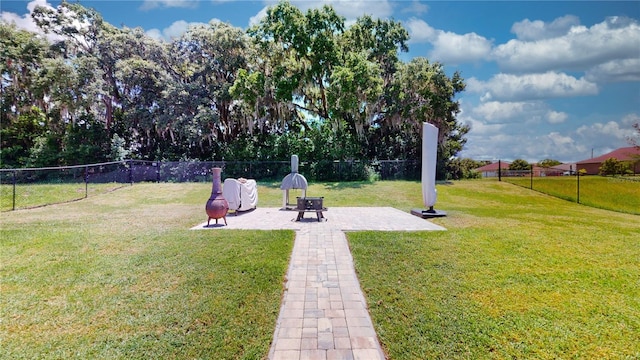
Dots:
pixel 34 195
pixel 120 275
pixel 518 274
pixel 605 192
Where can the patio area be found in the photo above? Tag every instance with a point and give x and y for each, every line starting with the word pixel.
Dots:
pixel 324 313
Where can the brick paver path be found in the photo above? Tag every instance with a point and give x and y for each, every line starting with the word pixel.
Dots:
pixel 324 313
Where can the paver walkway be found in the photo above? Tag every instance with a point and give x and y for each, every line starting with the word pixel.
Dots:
pixel 324 313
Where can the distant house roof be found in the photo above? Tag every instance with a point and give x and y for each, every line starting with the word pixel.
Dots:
pixel 565 167
pixel 493 166
pixel 621 154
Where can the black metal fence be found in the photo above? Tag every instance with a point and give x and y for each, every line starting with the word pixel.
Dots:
pixel 617 193
pixel 14 183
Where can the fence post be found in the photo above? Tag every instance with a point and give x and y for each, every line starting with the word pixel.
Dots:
pixel 86 182
pixel 531 172
pixel 578 175
pixel 130 171
pixel 499 170
pixel 14 190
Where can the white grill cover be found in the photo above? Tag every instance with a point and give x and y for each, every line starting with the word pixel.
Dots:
pixel 242 195
pixel 294 180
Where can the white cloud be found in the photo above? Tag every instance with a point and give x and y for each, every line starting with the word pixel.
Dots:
pixel 152 4
pixel 628 122
pixel 522 112
pixel 495 111
pixel 453 48
pixel 513 139
pixel 580 48
pixel 530 144
pixel 480 127
pixel 155 34
pixel 603 137
pixel 26 22
pixel 531 86
pixel 615 71
pixel 630 119
pixel 420 31
pixel 416 8
pixel 528 30
pixel 515 130
pixel 173 31
pixel 254 20
pixel 560 141
pixel 449 47
pixel 555 117
pixel 350 9
pixel 613 130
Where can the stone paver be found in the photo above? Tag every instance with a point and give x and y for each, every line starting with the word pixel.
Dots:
pixel 321 286
pixel 343 218
pixel 324 313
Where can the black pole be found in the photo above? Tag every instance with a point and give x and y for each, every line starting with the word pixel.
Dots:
pixel 86 182
pixel 531 172
pixel 131 172
pixel 499 170
pixel 578 175
pixel 14 190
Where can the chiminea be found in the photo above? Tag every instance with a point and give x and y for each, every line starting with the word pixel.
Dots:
pixel 217 205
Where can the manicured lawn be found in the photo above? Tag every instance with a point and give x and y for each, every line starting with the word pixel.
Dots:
pixel 517 275
pixel 120 275
pixel 34 195
pixel 605 192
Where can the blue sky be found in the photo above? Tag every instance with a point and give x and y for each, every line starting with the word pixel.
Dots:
pixel 545 79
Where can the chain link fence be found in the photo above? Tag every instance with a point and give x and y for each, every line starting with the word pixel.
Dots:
pixel 617 193
pixel 18 188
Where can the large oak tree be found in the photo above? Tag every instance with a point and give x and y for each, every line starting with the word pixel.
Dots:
pixel 297 81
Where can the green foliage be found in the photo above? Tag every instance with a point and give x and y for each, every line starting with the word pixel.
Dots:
pixel 85 142
pixel 18 136
pixel 46 151
pixel 459 169
pixel 297 81
pixel 519 164
pixel 547 163
pixel 612 166
pixel 118 149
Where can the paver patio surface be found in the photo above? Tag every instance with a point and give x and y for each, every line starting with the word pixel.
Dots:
pixel 324 313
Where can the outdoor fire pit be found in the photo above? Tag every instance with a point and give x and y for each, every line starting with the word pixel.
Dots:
pixel 310 204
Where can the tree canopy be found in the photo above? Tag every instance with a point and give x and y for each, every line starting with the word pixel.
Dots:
pixel 612 166
pixel 519 164
pixel 297 82
pixel 547 163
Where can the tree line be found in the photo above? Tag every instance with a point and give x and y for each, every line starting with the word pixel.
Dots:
pixel 296 83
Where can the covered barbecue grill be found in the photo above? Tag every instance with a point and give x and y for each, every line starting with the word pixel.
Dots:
pixel 293 181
